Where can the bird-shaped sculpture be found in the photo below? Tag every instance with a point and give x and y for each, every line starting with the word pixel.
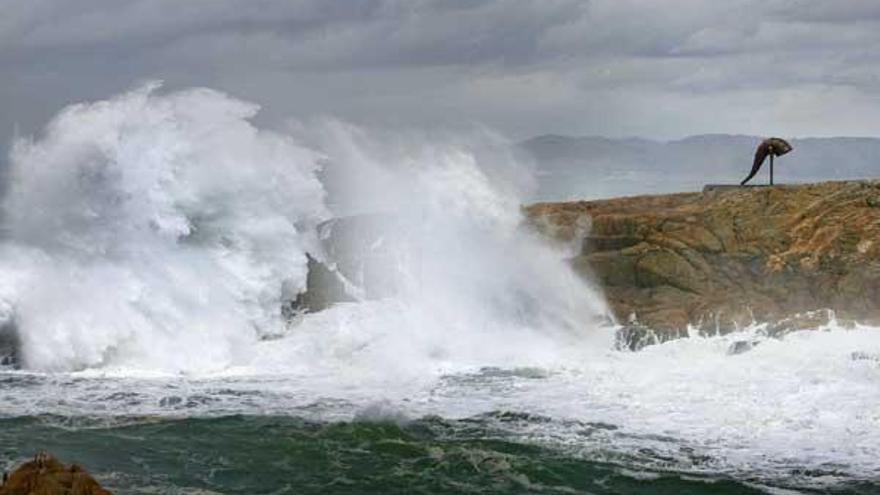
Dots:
pixel 771 147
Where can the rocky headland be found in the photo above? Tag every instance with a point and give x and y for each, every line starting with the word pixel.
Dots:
pixel 790 256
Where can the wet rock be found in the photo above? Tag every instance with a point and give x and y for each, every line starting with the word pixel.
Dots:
pixel 635 335
pixel 324 287
pixel 741 346
pixel 46 475
pixel 360 261
pixel 865 356
pixel 809 320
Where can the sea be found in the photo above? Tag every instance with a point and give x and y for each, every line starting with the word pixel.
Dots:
pixel 151 241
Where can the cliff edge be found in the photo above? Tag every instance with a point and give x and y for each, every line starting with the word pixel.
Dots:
pixel 726 258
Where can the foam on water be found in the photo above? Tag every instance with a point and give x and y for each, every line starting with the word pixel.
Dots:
pixel 801 410
pixel 152 238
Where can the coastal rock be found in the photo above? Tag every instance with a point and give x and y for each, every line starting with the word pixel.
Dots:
pixel 358 261
pixel 324 287
pixel 792 256
pixel 46 475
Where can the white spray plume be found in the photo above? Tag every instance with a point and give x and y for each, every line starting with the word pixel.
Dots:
pixel 155 230
pixel 163 232
pixel 475 286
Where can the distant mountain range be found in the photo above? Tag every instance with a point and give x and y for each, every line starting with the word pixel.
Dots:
pixel 572 168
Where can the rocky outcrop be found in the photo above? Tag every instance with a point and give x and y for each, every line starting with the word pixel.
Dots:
pixel 325 286
pixel 728 257
pixel 46 475
pixel 358 260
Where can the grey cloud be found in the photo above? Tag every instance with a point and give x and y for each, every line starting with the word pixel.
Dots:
pixel 837 11
pixel 316 34
pixel 567 66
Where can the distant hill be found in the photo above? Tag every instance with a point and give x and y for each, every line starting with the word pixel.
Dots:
pixel 595 167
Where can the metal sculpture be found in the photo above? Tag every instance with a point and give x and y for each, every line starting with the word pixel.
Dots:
pixel 771 147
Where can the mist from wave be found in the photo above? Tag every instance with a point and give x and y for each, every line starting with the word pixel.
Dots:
pixel 163 232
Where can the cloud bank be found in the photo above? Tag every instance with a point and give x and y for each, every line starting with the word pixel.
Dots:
pixel 606 67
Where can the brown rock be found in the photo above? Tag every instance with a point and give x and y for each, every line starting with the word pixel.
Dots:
pixel 729 257
pixel 46 475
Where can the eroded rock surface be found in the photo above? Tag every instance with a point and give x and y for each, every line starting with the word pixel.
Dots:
pixel 724 259
pixel 46 475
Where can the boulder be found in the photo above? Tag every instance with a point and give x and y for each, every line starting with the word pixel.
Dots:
pixel 46 475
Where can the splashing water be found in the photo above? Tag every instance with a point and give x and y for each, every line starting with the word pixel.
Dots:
pixel 158 234
pixel 163 232
pixel 154 231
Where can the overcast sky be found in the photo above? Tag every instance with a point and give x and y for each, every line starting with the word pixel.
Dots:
pixel 652 68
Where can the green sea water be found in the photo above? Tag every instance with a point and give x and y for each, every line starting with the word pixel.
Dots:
pixel 288 455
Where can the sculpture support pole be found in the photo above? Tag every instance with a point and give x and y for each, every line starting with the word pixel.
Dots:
pixel 771 169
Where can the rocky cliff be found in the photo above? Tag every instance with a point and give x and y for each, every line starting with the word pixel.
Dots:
pixel 728 257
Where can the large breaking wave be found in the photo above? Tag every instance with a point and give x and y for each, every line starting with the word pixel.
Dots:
pixel 164 232
pixel 154 230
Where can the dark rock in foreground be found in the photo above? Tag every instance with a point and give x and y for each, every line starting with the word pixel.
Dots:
pixel 726 258
pixel 46 475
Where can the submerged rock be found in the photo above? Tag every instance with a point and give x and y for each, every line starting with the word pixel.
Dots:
pixel 724 259
pixel 741 346
pixel 324 287
pixel 359 261
pixel 46 475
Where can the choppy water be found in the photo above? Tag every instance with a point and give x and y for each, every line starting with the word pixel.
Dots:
pixel 256 454
pixel 798 414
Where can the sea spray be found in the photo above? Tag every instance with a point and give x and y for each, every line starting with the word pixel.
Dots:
pixel 474 285
pixel 156 231
pixel 163 232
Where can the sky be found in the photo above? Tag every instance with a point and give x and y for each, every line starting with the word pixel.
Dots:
pixel 649 68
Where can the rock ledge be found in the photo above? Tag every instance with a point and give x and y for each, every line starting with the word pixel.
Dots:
pixel 723 259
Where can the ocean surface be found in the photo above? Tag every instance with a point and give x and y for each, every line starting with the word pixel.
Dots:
pixel 150 242
pixel 797 415
pixel 269 454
